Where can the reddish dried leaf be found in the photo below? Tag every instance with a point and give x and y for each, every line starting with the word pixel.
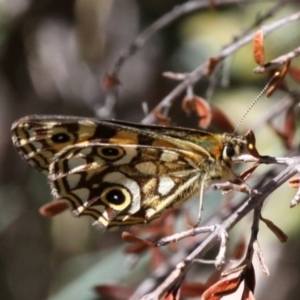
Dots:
pixel 247 294
pixel 295 73
pixel 161 118
pixel 203 110
pixel 249 276
pixel 212 63
pixel 188 104
pixel 294 182
pixel 251 141
pixel 220 120
pixel 258 47
pixel 193 289
pixel 131 238
pixel 53 208
pixel 222 288
pixel 111 291
pixel 276 230
pixel 173 295
pixel 290 127
pixel 277 82
pixel 247 173
pixel 110 81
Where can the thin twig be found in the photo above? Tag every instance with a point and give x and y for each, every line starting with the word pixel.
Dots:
pixel 182 267
pixel 277 62
pixel 201 71
pixel 181 235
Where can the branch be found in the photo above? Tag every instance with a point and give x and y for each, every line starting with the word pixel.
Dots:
pixel 201 71
pixel 184 265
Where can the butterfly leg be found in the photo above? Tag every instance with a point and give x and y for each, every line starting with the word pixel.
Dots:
pixel 201 200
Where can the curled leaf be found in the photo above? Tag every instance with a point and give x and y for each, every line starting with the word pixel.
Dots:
pixel 133 239
pixel 258 47
pixel 294 182
pixel 200 106
pixel 276 230
pixel 212 63
pixel 161 118
pixel 222 288
pixel 251 141
pixel 277 81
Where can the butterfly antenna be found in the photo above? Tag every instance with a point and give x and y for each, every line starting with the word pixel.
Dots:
pixel 255 100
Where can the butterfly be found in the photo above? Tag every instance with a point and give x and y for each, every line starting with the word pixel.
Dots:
pixel 122 173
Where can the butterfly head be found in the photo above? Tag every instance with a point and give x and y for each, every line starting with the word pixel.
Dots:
pixel 233 146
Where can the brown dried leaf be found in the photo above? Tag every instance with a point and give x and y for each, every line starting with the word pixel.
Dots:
pixel 188 104
pixel 161 118
pixel 111 291
pixel 200 106
pixel 247 294
pixel 277 82
pixel 249 276
pixel 222 288
pixel 258 47
pixel 203 110
pixel 251 141
pixel 53 208
pixel 212 63
pixel 173 295
pixel 133 239
pixel 294 182
pixel 290 127
pixel 247 173
pixel 110 81
pixel 192 289
pixel 276 230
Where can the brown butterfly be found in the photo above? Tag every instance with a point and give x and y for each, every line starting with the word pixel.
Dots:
pixel 121 173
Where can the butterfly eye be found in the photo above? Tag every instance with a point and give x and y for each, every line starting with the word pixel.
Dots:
pixel 111 153
pixel 228 151
pixel 60 138
pixel 116 197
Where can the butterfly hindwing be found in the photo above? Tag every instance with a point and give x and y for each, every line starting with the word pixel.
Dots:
pixel 119 183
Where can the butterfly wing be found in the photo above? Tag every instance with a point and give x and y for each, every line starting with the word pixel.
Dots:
pixel 39 139
pixel 119 173
pixel 119 184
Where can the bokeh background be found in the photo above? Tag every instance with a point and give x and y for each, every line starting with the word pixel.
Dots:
pixel 53 57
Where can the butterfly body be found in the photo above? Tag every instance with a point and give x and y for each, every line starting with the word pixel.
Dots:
pixel 121 173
